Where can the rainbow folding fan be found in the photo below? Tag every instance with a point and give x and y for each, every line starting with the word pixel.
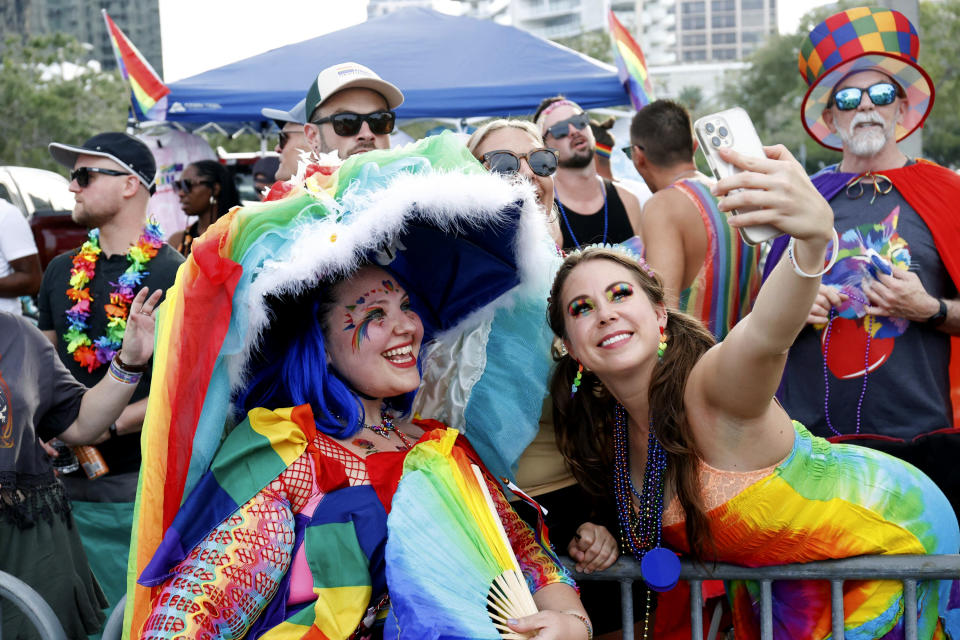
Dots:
pixel 451 571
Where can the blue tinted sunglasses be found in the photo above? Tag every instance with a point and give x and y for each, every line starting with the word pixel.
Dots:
pixel 881 94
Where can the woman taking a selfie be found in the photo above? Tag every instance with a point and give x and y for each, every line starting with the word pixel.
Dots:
pixel 685 440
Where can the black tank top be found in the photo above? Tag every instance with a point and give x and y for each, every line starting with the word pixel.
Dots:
pixel 588 228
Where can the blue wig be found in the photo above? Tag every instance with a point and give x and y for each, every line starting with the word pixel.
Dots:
pixel 290 367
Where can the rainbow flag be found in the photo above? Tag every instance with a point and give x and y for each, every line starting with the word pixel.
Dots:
pixel 147 92
pixel 631 65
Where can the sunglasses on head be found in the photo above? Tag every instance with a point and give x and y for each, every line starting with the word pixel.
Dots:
pixel 186 186
pixel 881 94
pixel 82 174
pixel 543 162
pixel 348 124
pixel 562 128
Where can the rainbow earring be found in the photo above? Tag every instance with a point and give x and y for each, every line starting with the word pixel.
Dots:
pixel 662 347
pixel 576 381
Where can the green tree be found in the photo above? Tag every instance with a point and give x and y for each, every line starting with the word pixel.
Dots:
pixel 692 98
pixel 49 91
pixel 939 51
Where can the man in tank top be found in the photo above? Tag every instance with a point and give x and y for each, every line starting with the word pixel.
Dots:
pixel 591 209
pixel 707 269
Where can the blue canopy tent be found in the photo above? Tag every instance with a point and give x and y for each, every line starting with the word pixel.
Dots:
pixel 446 66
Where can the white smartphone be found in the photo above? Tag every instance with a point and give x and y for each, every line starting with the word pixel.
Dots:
pixel 733 129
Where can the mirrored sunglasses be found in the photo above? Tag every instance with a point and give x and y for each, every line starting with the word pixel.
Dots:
pixel 186 186
pixel 82 174
pixel 348 124
pixel 562 128
pixel 543 162
pixel 881 94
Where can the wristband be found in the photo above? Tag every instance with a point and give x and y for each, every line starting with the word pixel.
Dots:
pixel 582 618
pixel 119 373
pixel 940 316
pixel 833 258
pixel 131 368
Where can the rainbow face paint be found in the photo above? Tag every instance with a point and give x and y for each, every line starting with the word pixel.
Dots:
pixel 581 307
pixel 617 292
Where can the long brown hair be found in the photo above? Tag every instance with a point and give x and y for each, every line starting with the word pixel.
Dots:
pixel 584 422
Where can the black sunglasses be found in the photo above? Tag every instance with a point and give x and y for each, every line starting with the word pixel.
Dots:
pixel 284 139
pixel 82 174
pixel 348 124
pixel 881 94
pixel 543 162
pixel 186 186
pixel 562 128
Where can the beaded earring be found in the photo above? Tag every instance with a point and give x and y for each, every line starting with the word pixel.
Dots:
pixel 576 381
pixel 662 347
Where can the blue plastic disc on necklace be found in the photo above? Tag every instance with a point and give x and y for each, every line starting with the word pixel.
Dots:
pixel 660 568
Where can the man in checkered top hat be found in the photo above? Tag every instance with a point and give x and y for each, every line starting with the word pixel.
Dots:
pixel 872 365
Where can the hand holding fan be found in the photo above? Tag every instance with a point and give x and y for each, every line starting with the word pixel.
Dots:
pixel 451 571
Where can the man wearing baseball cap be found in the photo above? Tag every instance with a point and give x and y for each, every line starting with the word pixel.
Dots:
pixel 349 110
pixel 872 365
pixel 292 139
pixel 84 297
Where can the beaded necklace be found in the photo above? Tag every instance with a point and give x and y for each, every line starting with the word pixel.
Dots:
pixel 385 427
pixel 92 354
pixel 563 214
pixel 641 527
pixel 867 326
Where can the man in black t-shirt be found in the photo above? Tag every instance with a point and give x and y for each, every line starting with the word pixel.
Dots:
pixel 872 366
pixel 112 178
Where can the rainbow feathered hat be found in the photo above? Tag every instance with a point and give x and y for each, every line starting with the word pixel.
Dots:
pixel 862 39
pixel 471 249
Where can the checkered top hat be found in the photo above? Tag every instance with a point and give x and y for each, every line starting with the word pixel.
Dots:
pixel 862 39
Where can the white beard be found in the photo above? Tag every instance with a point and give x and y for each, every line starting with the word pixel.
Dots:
pixel 868 141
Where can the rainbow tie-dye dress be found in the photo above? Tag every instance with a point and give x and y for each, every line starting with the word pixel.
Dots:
pixel 834 501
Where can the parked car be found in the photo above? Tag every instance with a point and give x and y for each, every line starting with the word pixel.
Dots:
pixel 45 200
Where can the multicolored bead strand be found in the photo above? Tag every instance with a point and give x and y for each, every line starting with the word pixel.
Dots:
pixel 662 347
pixel 576 381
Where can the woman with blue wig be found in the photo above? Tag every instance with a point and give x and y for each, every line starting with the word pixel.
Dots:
pixel 326 299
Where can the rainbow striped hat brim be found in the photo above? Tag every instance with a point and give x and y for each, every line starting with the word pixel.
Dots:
pixel 855 40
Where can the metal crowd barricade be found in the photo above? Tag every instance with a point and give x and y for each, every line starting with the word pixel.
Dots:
pixel 908 569
pixel 35 608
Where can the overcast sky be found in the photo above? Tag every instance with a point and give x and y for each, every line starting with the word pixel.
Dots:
pixel 204 34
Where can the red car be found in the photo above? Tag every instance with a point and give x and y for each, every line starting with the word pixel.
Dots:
pixel 45 200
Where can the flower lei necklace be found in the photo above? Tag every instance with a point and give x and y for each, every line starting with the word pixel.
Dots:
pixel 95 353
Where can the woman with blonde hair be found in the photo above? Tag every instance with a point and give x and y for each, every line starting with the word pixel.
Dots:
pixel 515 148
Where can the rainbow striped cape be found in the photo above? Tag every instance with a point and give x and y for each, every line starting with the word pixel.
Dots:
pixel 723 291
pixel 456 237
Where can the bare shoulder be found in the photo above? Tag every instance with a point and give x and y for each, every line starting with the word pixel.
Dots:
pixel 670 203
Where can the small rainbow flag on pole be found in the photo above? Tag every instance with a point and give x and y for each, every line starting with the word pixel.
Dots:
pixel 631 65
pixel 148 99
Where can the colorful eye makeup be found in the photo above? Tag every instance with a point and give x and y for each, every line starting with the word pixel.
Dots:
pixel 619 291
pixel 580 307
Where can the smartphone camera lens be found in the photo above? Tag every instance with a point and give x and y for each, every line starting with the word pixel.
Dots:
pixel 715 141
pixel 709 127
pixel 722 131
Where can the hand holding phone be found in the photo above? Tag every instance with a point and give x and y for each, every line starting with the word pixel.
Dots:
pixel 732 129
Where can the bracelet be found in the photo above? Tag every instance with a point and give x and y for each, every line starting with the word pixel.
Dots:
pixel 582 618
pixel 833 258
pixel 131 368
pixel 121 374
